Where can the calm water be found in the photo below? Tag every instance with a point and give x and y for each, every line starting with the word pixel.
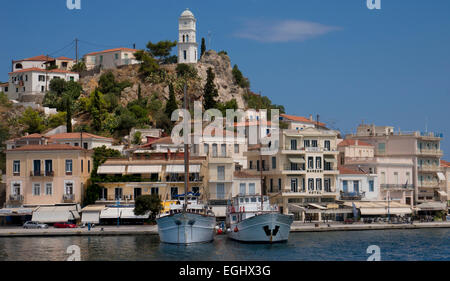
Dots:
pixel 405 245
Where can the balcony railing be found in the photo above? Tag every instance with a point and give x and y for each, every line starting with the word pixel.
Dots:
pixel 310 192
pixel 294 168
pixel 16 198
pixel 397 186
pixel 42 174
pixel 434 184
pixel 429 168
pixel 352 195
pixel 435 152
pixel 69 197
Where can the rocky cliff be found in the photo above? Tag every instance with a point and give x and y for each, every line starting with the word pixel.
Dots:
pixel 220 63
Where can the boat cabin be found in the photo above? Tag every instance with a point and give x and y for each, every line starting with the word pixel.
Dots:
pixel 244 207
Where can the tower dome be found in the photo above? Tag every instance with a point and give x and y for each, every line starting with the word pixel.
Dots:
pixel 187 13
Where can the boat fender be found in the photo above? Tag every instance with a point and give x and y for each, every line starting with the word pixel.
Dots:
pixel 228 230
pixel 219 231
pixel 236 229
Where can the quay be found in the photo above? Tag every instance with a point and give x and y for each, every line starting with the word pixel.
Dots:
pixel 153 229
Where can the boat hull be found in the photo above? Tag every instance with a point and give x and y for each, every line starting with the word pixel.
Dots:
pixel 186 228
pixel 264 228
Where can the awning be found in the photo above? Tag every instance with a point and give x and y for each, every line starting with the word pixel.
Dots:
pixel 442 193
pixel 180 169
pixel 384 211
pixel 55 214
pixel 16 212
pixel 432 206
pixel 441 176
pixel 297 160
pixel 144 169
pixel 330 160
pixel 90 217
pixel 116 169
pixel 128 213
pixel 317 206
pixel 110 213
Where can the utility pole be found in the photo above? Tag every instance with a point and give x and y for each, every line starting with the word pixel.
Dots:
pixel 76 49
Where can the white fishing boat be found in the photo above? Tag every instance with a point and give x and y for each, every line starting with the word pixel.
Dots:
pixel 253 219
pixel 193 224
pixel 186 221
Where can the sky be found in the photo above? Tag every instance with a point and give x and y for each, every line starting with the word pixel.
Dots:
pixel 338 59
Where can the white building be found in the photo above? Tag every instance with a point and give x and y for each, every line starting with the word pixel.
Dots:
pixel 31 84
pixel 357 185
pixel 187 44
pixel 43 62
pixel 111 58
pixel 300 123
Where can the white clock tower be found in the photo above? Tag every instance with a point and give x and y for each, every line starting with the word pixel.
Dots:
pixel 187 42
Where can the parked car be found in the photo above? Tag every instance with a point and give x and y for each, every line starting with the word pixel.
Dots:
pixel 64 225
pixel 348 221
pixel 33 224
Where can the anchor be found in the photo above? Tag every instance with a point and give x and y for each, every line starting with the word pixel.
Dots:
pixel 270 232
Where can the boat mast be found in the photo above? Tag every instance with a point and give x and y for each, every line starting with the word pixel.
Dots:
pixel 261 175
pixel 186 150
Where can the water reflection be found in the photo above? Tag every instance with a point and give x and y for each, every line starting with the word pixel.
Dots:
pixel 425 244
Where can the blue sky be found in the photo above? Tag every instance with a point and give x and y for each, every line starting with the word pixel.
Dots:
pixel 333 58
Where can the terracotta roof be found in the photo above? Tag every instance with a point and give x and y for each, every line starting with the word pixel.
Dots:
pixel 112 50
pixel 348 171
pixel 64 58
pixel 38 58
pixel 349 142
pixel 47 147
pixel 77 136
pixel 36 69
pixel 244 175
pixel 445 164
pixel 4 84
pixel 166 140
pixel 301 119
pixel 32 136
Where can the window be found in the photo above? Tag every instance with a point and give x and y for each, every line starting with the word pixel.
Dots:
pixel 383 178
pixel 41 78
pixel 36 189
pixel 101 59
pixel 318 162
pixel 154 190
pixel 221 172
pixel 293 144
pixel 251 165
pixel 310 184
pixel 185 55
pixel 220 191
pixel 345 186
pixel 206 148
pixel 236 148
pixel 371 186
pixel 71 78
pixel 251 189
pixel 42 89
pixel 49 188
pixel 37 167
pixel 396 180
pixel 116 56
pixel 214 148
pixel 118 193
pixel 318 184
pixel 48 167
pixel 85 145
pixel 279 184
pixel 82 164
pixel 223 149
pixel 327 185
pixel 16 188
pixel 68 187
pixel 196 189
pixel 242 189
pixel 196 148
pixel 356 186
pixel 89 166
pixel 69 166
pixel 294 185
pixel 16 167
pixel 381 148
pixel 274 163
pixel 327 145
pixel 314 143
pixel 310 162
pixel 307 143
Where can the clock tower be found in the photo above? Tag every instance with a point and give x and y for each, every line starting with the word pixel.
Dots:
pixel 187 41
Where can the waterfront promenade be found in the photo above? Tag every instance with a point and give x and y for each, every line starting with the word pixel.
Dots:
pixel 153 229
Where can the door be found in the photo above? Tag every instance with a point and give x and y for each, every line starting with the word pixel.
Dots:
pixel 48 167
pixel 37 167
pixel 220 191
pixel 137 192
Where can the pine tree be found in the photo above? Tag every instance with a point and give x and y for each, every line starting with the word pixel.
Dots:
pixel 210 91
pixel 203 47
pixel 171 104
pixel 68 103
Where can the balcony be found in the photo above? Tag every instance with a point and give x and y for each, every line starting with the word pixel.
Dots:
pixel 308 192
pixel 432 184
pixel 289 169
pixel 352 195
pixel 429 168
pixel 42 174
pixel 180 178
pixel 69 198
pixel 397 186
pixel 430 152
pixel 16 198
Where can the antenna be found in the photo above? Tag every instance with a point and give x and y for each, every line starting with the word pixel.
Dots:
pixel 209 39
pixel 426 124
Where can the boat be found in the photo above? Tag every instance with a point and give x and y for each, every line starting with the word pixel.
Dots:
pixel 187 220
pixel 252 219
pixel 180 225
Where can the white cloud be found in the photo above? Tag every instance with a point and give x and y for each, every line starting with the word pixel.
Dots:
pixel 283 31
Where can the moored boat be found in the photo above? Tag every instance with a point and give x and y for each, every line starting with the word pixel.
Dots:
pixel 254 219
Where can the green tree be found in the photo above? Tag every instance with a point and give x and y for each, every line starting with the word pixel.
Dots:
pixel 210 91
pixel 186 71
pixel 171 104
pixel 56 120
pixel 4 100
pixel 107 84
pixel 162 49
pixel 148 203
pixel 32 121
pixel 239 78
pixel 68 105
pixel 4 136
pixel 97 110
pixel 203 47
pixel 101 154
pixel 137 138
pixel 148 63
pixel 79 67
pixel 59 88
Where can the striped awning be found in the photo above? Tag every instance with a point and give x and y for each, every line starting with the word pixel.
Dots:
pixel 385 211
pixel 297 160
pixel 144 169
pixel 111 170
pixel 110 213
pixel 180 169
pixel 54 214
pixel 90 217
pixel 128 213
